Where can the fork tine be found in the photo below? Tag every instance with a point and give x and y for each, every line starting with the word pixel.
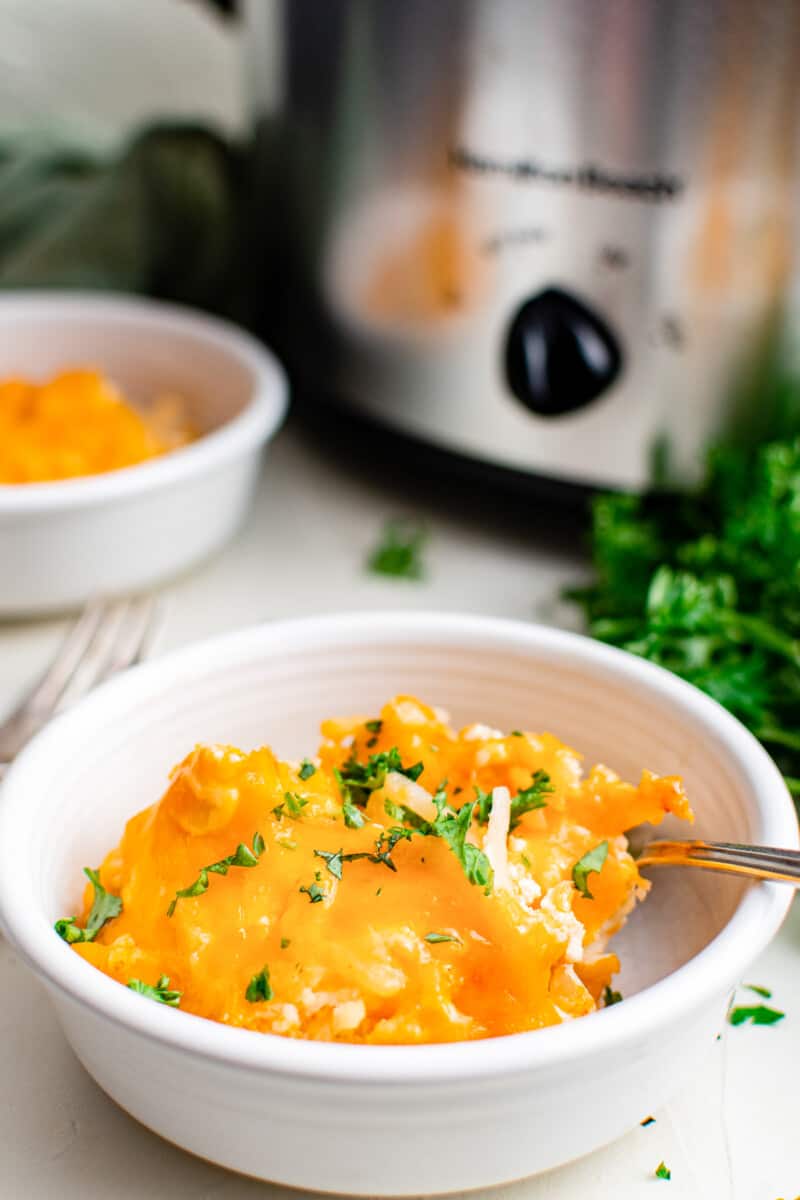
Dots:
pixel 97 655
pixel 134 636
pixel 108 636
pixel 41 701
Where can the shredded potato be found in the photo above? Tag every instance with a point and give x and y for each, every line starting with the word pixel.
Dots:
pixel 410 884
pixel 77 423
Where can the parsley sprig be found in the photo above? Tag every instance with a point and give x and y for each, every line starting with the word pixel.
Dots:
pixel 160 992
pixel 707 584
pixel 242 856
pixel 105 907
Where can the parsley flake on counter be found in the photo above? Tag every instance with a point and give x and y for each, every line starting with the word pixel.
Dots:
pixel 242 856
pixel 435 938
pixel 160 992
pixel 590 863
pixel 610 996
pixel 314 893
pixel 759 991
pixel 307 769
pixel 259 988
pixel 104 908
pixel 662 1171
pixel 757 1014
pixel 399 552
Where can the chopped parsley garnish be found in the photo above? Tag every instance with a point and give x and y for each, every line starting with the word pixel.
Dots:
pixel 399 552
pixel 758 1014
pixel 314 893
pixel 357 781
pixel 373 726
pixel 647 1121
pixel 531 797
pixel 295 803
pixel 285 943
pixel 307 769
pixel 161 992
pixel 353 816
pixel 663 1172
pixel 241 857
pixel 517 733
pixel 104 908
pixel 759 991
pixel 435 938
pixel 590 863
pixel 610 996
pixel 452 827
pixel 335 860
pixel 525 801
pixel 259 988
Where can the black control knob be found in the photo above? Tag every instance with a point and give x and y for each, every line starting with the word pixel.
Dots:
pixel 559 354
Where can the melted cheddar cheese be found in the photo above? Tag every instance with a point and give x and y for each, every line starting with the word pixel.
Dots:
pixel 362 950
pixel 77 423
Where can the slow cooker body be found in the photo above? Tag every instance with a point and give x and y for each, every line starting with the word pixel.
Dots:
pixel 554 238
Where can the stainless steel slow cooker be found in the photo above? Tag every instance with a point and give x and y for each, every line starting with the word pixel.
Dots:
pixel 556 236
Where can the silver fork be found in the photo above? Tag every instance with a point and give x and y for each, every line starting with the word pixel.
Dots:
pixel 108 636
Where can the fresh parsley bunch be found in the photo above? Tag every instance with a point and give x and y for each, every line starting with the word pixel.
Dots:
pixel 707 584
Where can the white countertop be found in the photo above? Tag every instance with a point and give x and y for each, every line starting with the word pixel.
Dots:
pixel 732 1137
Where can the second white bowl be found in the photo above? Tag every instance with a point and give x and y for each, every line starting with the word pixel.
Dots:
pixel 125 530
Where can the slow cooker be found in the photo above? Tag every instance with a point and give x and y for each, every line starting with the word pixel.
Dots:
pixel 558 238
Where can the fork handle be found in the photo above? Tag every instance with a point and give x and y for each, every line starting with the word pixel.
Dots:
pixel 754 862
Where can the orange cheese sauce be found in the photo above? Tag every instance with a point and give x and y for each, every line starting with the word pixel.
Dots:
pixel 358 964
pixel 77 423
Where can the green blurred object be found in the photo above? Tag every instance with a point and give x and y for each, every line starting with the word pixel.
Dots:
pixel 162 218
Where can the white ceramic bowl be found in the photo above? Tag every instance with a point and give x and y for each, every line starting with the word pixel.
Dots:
pixel 64 541
pixel 394 1120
